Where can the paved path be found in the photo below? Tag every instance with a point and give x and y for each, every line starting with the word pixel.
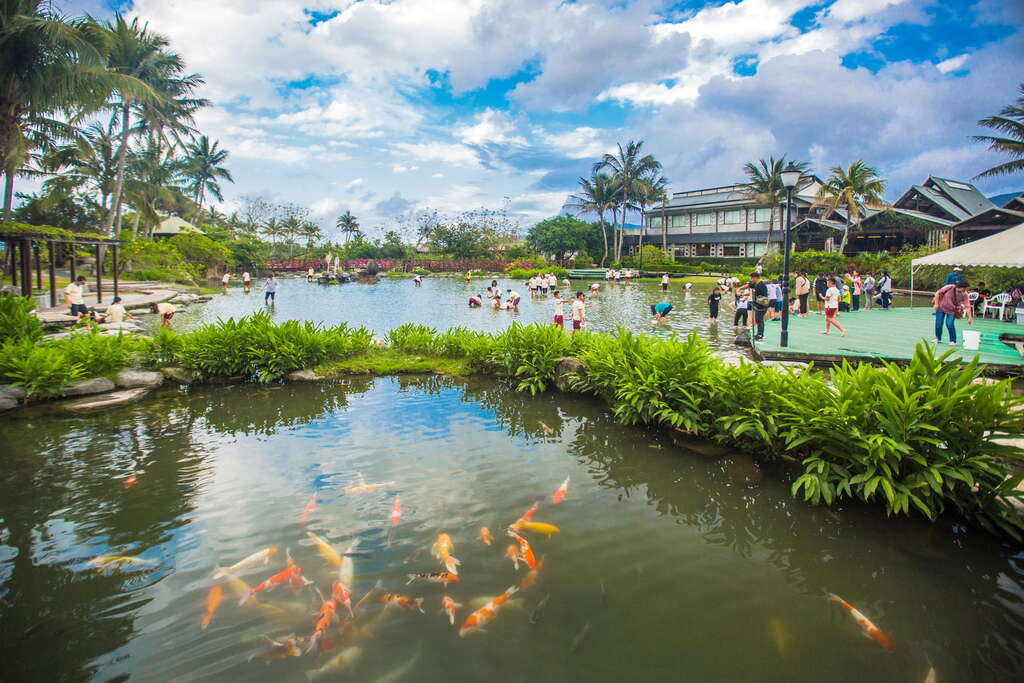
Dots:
pixel 59 315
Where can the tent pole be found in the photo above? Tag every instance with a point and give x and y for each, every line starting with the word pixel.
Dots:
pixel 911 285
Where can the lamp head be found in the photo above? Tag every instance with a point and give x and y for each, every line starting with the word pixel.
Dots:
pixel 790 176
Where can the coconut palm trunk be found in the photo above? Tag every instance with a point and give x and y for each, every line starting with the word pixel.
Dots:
pixel 122 153
pixel 8 194
pixel 604 237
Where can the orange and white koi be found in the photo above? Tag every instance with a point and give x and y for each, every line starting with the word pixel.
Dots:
pixel 308 510
pixel 345 660
pixel 411 604
pixel 480 618
pixel 448 606
pixel 326 617
pixel 442 549
pixel 290 575
pixel 485 535
pixel 869 629
pixel 560 494
pixel 396 511
pixel 434 577
pixel 531 576
pixel 102 564
pixel 213 599
pixel 528 515
pixel 279 649
pixel 340 595
pixel 512 553
pixel 249 561
pixel 536 527
pixel 366 488
pixel 524 549
pixel 130 481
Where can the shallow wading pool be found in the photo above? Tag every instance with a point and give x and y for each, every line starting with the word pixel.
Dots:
pixel 671 564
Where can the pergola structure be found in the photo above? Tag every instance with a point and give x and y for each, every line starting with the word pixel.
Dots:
pixel 23 246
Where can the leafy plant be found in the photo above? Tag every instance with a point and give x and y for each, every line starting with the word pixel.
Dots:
pixel 15 321
pixel 42 369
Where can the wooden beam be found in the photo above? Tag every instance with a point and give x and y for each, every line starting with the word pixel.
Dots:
pixel 39 267
pixel 74 271
pixel 113 268
pixel 26 267
pixel 50 251
pixel 12 254
pixel 99 274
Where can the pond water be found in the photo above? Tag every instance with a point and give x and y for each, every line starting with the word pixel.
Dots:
pixel 671 564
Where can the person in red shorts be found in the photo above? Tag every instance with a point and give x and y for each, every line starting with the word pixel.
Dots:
pixel 559 313
pixel 579 312
pixel 832 295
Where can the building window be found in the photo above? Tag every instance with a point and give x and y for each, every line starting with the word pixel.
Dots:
pixel 732 250
pixel 705 219
pixel 654 221
pixel 732 217
pixel 680 221
pixel 702 250
pixel 762 215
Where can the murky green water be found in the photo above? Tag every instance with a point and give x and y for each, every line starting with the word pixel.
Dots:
pixel 674 565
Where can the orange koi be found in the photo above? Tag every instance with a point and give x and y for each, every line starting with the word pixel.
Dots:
pixel 528 515
pixel 411 604
pixel 366 488
pixel 212 603
pixel 434 577
pixel 396 511
pixel 341 596
pixel 524 549
pixel 291 574
pixel 485 535
pixel 560 494
pixel 326 618
pixel 512 553
pixel 531 576
pixel 308 510
pixel 448 606
pixel 478 619
pixel 130 481
pixel 442 549
pixel 870 630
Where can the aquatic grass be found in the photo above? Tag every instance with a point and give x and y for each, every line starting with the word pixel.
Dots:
pixel 394 362
pixel 41 369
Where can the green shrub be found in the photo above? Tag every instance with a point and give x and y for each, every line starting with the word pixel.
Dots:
pixel 413 338
pixel 525 274
pixel 583 260
pixel 98 354
pixel 42 369
pixel 15 322
pixel 162 350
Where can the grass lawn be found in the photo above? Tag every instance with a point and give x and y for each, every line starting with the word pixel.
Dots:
pixel 389 362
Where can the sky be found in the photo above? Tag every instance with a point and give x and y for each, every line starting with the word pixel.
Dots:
pixel 387 107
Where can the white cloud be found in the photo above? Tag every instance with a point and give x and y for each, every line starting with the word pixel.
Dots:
pixel 354 183
pixel 951 64
pixel 449 153
pixel 403 169
pixel 438 175
pixel 583 142
pixel 322 208
pixel 490 127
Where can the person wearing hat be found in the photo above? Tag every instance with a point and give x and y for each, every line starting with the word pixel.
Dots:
pixel 73 297
pixel 956 276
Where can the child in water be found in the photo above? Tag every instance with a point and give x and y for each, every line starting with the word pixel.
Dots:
pixel 714 300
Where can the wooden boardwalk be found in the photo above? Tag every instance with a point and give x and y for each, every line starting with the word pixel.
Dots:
pixel 59 314
pixel 889 335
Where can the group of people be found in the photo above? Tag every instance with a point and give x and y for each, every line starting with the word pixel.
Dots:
pixel 494 297
pixel 246 280
pixel 614 275
pixel 74 299
pixel 538 285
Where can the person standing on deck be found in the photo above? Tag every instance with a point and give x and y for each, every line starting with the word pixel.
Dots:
pixel 885 289
pixel 832 295
pixel 270 290
pixel 73 297
pixel 760 301
pixel 949 304
pixel 820 286
pixel 857 283
pixel 868 285
pixel 802 290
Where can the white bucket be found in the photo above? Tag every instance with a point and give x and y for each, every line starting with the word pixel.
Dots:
pixel 972 339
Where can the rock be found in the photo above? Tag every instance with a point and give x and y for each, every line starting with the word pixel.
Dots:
pixel 564 368
pixel 7 403
pixel 204 298
pixel 379 342
pixel 179 375
pixel 96 385
pixel 184 298
pixel 130 378
pixel 233 379
pixel 12 392
pixel 111 400
pixel 127 326
pixel 302 376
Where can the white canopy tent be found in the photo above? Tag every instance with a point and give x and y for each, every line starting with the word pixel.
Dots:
pixel 1003 250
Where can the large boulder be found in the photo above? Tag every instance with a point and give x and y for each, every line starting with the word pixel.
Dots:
pixel 94 404
pixel 7 403
pixel 302 376
pixel 565 367
pixel 130 378
pixel 184 298
pixel 12 392
pixel 86 387
pixel 179 375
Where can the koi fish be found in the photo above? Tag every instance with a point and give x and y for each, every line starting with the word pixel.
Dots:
pixel 212 603
pixel 528 515
pixel 442 549
pixel 524 550
pixel 870 630
pixel 366 488
pixel 347 570
pixel 535 615
pixel 480 618
pixel 512 553
pixel 130 481
pixel 341 596
pixel 326 617
pixel 434 577
pixel 547 430
pixel 264 555
pixel 578 640
pixel 448 606
pixel 278 649
pixel 536 527
pixel 560 494
pixel 401 672
pixel 485 535
pixel 531 576
pixel 345 660
pixel 396 511
pixel 102 564
pixel 326 551
pixel 308 510
pixel 286 575
pixel 402 601
pixel 778 635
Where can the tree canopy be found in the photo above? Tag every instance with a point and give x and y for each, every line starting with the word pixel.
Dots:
pixel 564 235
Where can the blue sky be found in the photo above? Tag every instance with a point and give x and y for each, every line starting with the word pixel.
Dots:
pixel 386 108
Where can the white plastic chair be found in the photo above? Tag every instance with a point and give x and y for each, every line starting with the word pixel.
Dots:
pixel 972 297
pixel 997 302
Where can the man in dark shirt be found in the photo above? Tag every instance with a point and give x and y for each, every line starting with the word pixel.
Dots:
pixel 820 287
pixel 956 276
pixel 759 301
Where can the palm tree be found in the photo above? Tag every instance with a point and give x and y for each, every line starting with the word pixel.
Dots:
pixel 138 52
pixel 203 168
pixel 651 190
pixel 272 229
pixel 596 195
pixel 849 190
pixel 629 169
pixel 47 63
pixel 764 185
pixel 311 232
pixel 154 186
pixel 348 225
pixel 87 162
pixel 1010 122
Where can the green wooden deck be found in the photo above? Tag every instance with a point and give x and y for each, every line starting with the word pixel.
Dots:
pixel 889 335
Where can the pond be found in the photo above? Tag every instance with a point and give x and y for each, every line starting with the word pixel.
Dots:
pixel 671 563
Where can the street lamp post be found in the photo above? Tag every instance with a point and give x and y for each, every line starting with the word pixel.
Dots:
pixel 790 178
